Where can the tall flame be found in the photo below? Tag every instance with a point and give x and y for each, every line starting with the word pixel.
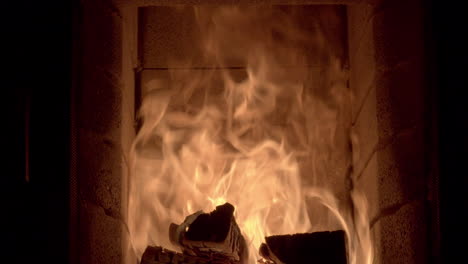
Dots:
pixel 212 137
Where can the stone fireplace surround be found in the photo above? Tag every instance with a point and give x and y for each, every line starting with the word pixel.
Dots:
pixel 390 121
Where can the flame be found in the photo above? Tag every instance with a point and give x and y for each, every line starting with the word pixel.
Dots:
pixel 211 138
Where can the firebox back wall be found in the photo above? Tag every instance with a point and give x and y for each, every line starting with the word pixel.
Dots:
pixel 169 47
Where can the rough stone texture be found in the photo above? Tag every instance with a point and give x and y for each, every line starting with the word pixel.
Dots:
pixel 98 103
pixel 400 94
pixel 403 235
pixel 388 127
pixel 100 243
pixel 401 169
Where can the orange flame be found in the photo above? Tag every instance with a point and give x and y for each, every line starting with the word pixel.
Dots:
pixel 210 139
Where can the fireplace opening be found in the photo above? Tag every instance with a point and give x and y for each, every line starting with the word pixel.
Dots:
pixel 251 106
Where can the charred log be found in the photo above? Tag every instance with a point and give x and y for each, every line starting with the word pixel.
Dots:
pixel 317 248
pixel 159 255
pixel 214 237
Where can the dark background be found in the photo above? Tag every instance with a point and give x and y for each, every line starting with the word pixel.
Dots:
pixel 38 40
pixel 447 42
pixel 36 69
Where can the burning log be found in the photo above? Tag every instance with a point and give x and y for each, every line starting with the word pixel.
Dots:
pixel 317 248
pixel 159 255
pixel 214 237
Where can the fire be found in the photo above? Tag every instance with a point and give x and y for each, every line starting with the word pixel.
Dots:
pixel 211 138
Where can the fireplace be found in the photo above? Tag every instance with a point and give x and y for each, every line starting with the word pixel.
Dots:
pixel 377 129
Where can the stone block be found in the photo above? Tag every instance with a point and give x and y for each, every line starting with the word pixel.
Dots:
pixel 400 98
pixel 99 159
pixel 401 169
pixel 403 235
pixel 98 102
pixel 99 94
pixel 398 31
pixel 174 36
pixel 97 234
pixel 101 36
pixel 388 127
